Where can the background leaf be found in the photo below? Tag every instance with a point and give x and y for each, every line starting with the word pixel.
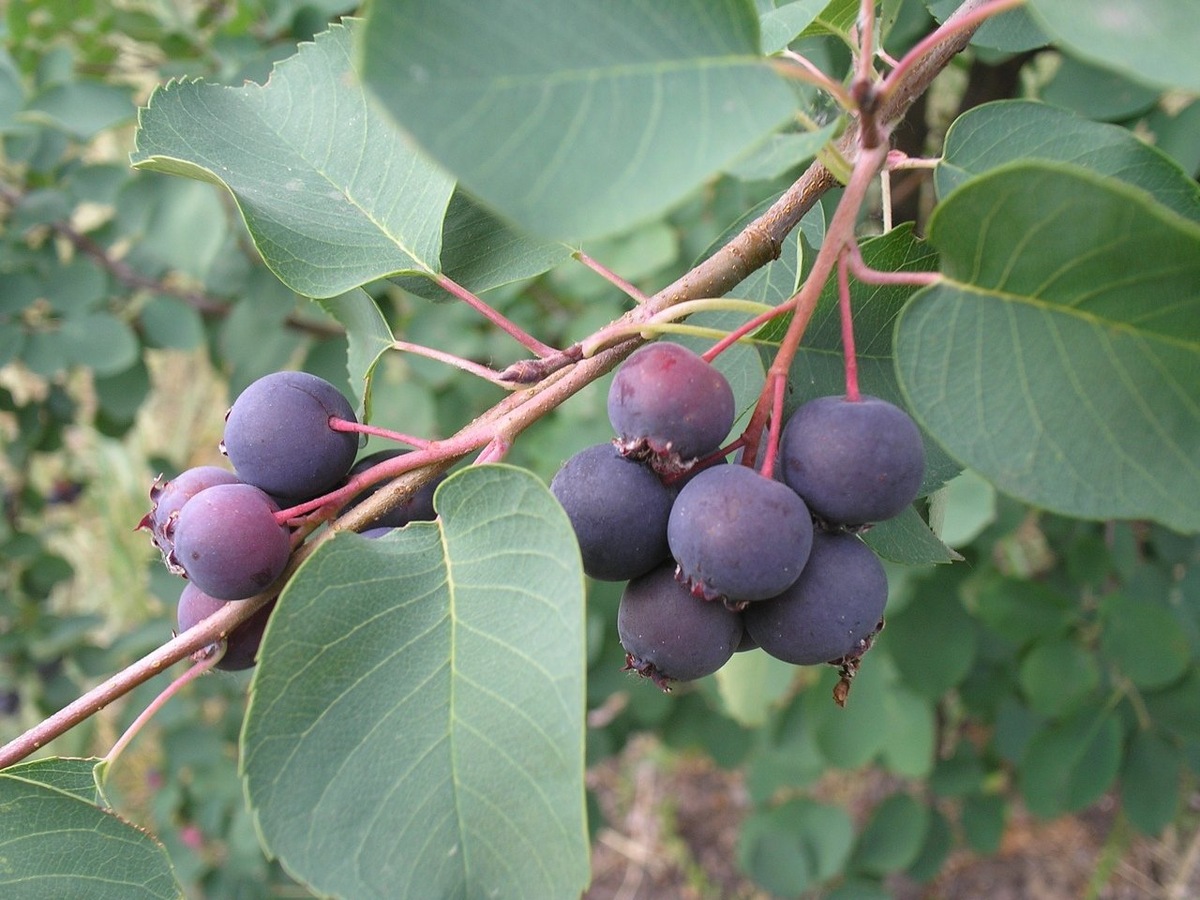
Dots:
pixel 1059 357
pixel 580 119
pixel 416 719
pixel 55 844
pixel 334 196
pixel 997 133
pixel 1011 32
pixel 1151 41
pixel 1069 764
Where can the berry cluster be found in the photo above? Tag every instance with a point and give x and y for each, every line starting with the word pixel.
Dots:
pixel 721 558
pixel 221 530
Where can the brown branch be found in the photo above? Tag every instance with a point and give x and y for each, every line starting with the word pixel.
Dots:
pixel 757 244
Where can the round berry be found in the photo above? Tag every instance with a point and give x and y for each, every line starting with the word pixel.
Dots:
pixel 738 536
pixel 853 461
pixel 277 435
pixel 228 542
pixel 667 403
pixel 837 602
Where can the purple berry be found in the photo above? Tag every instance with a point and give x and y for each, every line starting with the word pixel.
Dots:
pixel 278 438
pixel 669 405
pixel 738 536
pixel 853 462
pixel 837 602
pixel 228 542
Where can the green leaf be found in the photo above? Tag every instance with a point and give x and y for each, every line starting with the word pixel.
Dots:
pixel 907 540
pixel 939 841
pixel 960 774
pixel 1070 764
pixel 1012 32
pixel 851 737
pixel 932 640
pixel 416 719
pixel 54 844
pixel 1150 789
pixel 751 684
pixel 993 134
pixel 781 153
pixel 837 18
pixel 1151 41
pixel 1057 675
pixel 334 196
pixel 893 837
pixel 1021 610
pixel 369 336
pixel 481 251
pixel 783 25
pixel 168 322
pixel 1144 639
pixel 81 108
pixel 1058 358
pixel 99 341
pixel 1174 708
pixel 72 775
pixel 912 733
pixel 983 818
pixel 792 847
pixel 1097 93
pixel 579 119
pixel 962 509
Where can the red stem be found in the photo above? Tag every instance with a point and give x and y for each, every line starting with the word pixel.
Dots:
pixel 612 277
pixel 848 354
pixel 522 337
pixel 362 428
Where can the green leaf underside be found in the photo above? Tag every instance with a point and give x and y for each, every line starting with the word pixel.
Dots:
pixel 72 775
pixel 1060 357
pixel 1011 31
pixel 783 25
pixel 54 844
pixel 1008 130
pixel 579 123
pixel 481 252
pixel 368 336
pixel 1151 41
pixel 416 720
pixel 333 194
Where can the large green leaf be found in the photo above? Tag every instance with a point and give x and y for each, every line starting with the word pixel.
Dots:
pixel 54 844
pixel 991 135
pixel 1152 41
pixel 1060 357
pixel 416 719
pixel 333 194
pixel 575 119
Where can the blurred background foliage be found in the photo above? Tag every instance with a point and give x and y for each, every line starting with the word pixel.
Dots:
pixel 1054 667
